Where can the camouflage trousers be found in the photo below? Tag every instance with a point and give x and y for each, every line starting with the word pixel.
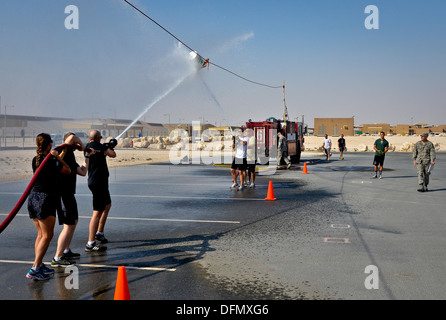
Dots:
pixel 423 174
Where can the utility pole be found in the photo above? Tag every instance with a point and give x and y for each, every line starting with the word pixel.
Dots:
pixel 285 111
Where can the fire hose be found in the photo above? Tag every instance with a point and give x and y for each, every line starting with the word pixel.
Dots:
pixel 25 194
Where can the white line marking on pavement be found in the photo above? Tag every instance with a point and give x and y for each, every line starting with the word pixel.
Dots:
pixel 161 197
pixel 96 266
pixel 149 219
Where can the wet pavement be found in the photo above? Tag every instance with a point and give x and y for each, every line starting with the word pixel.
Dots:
pixel 183 234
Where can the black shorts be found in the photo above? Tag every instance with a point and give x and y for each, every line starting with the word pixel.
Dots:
pixel 341 149
pixel 239 164
pixel 67 212
pixel 251 167
pixel 101 196
pixel 42 205
pixel 378 160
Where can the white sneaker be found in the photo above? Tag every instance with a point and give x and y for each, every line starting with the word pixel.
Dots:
pixel 235 185
pixel 252 185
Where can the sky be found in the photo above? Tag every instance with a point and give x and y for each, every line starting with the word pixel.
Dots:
pixel 118 62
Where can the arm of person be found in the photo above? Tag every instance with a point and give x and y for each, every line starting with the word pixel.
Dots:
pixel 65 169
pixel 83 169
pixel 110 153
pixel 415 155
pixel 73 139
pixel 433 155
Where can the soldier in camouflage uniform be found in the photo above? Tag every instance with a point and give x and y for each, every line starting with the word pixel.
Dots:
pixel 423 156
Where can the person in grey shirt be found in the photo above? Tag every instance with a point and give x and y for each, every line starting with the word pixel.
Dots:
pixel 282 150
pixel 424 158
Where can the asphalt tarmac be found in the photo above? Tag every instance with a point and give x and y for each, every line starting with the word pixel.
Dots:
pixel 183 234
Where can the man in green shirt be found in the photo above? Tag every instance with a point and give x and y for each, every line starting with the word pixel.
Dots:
pixel 381 146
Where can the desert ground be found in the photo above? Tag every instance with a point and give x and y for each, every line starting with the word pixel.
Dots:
pixel 15 163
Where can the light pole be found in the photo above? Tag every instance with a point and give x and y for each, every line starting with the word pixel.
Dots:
pixel 4 128
pixel 167 114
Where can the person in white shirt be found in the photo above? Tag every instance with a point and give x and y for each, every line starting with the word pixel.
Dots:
pixel 240 146
pixel 327 147
pixel 251 157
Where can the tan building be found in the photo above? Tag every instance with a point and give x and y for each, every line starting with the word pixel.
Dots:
pixel 376 128
pixel 402 129
pixel 334 126
pixel 438 129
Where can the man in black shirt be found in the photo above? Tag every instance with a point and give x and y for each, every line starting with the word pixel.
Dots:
pixel 342 146
pixel 98 184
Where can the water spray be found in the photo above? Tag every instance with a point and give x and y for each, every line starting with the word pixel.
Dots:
pixel 148 107
pixel 217 103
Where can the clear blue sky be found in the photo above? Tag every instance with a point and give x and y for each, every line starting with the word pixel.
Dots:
pixel 118 62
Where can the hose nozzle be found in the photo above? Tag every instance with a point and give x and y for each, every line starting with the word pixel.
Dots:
pixel 112 143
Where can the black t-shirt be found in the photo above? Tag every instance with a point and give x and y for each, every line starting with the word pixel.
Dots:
pixel 341 142
pixel 67 182
pixel 47 180
pixel 97 167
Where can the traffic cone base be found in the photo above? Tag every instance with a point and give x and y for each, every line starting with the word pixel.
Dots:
pixel 270 195
pixel 122 287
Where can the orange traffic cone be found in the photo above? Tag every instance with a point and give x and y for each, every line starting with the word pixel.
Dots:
pixel 270 195
pixel 305 171
pixel 122 286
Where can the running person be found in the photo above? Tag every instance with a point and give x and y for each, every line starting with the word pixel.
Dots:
pixel 381 146
pixel 43 202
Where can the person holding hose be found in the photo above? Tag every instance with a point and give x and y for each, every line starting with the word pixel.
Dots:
pixel 98 184
pixel 68 213
pixel 43 201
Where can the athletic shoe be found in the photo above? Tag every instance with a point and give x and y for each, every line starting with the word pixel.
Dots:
pixel 252 185
pixel 46 270
pixel 101 238
pixel 374 175
pixel 288 166
pixel 37 275
pixel 241 188
pixel 235 185
pixel 94 248
pixel 62 262
pixel 71 255
pixel 380 175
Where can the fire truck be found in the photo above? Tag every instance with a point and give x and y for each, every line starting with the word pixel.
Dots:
pixel 266 135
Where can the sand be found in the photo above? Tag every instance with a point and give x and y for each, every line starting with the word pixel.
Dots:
pixel 16 164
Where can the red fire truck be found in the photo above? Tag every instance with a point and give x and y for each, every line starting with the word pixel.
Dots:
pixel 266 137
